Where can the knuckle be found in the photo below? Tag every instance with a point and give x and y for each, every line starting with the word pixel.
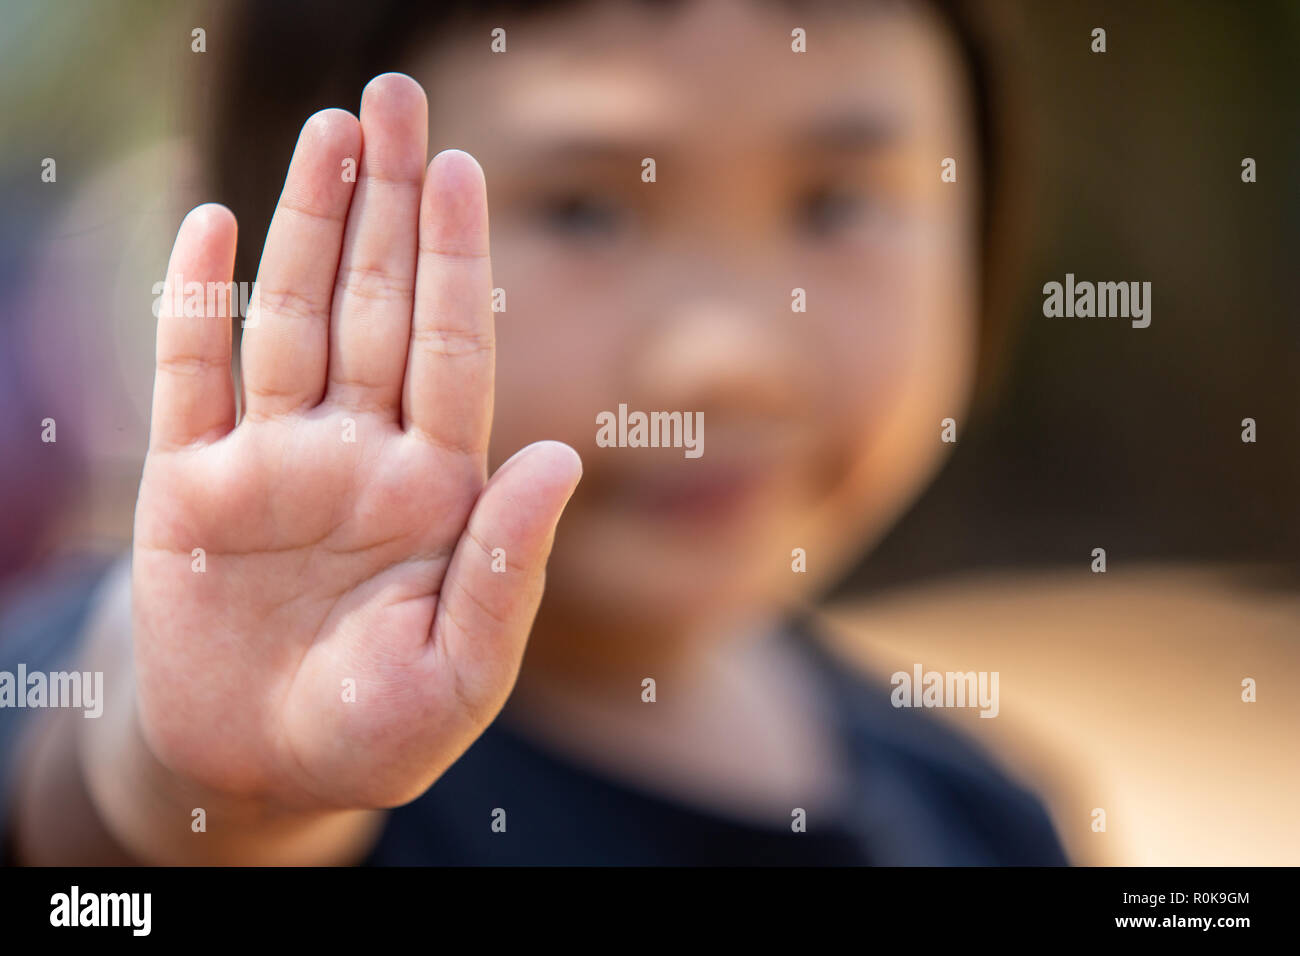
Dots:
pixel 289 304
pixel 373 282
pixel 451 343
pixel 191 366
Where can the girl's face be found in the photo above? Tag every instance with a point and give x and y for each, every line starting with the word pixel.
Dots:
pixel 774 171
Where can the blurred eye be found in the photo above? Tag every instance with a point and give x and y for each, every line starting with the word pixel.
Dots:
pixel 580 215
pixel 828 210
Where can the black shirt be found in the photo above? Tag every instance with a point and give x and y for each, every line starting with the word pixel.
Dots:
pixel 922 794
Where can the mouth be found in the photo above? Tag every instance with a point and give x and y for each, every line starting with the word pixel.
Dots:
pixel 695 492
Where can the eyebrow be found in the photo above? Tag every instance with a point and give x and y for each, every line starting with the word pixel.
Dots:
pixel 852 131
pixel 579 146
pixel 845 131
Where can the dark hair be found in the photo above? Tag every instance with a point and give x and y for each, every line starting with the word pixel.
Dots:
pixel 284 60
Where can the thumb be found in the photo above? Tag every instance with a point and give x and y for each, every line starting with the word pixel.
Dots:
pixel 494 582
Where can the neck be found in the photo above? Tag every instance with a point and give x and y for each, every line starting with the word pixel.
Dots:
pixel 736 722
pixel 570 654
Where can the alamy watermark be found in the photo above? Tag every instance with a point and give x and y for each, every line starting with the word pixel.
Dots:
pixel 75 908
pixel 651 430
pixel 200 300
pixel 1084 300
pixel 946 689
pixel 83 689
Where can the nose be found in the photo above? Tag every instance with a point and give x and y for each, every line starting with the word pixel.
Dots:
pixel 720 354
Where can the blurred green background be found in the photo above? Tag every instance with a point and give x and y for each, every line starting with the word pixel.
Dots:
pixel 1100 436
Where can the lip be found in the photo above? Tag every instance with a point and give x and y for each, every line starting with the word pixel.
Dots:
pixel 710 493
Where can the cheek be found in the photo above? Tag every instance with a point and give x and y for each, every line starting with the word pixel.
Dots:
pixel 901 360
pixel 559 343
pixel 903 333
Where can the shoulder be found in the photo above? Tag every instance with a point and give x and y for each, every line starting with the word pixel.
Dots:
pixel 1096 672
pixel 41 618
pixel 935 775
pixel 42 611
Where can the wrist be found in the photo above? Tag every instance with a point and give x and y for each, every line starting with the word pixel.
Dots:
pixel 164 818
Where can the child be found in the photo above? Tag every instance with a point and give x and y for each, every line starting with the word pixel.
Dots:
pixel 329 598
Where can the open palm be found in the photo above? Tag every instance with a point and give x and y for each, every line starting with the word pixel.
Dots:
pixel 330 598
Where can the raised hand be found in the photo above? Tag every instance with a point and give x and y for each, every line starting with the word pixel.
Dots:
pixel 349 625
